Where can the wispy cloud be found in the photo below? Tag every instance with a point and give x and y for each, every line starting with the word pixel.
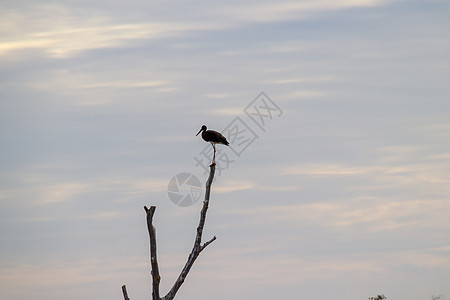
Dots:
pixel 105 215
pixel 286 268
pixel 232 186
pixel 65 42
pixel 297 80
pixel 368 214
pixel 218 96
pixel 304 94
pixel 57 274
pixel 44 190
pixel 267 11
pixel 227 111
pixel 426 177
pixel 324 170
pixel 60 32
pixel 60 192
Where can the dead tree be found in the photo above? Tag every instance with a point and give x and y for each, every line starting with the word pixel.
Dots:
pixel 196 249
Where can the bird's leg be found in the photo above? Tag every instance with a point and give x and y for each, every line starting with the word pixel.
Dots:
pixel 214 156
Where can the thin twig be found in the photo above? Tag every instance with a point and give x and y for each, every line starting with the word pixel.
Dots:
pixel 207 243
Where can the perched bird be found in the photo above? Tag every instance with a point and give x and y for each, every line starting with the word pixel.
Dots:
pixel 214 138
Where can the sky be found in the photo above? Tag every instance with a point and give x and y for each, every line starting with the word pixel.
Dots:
pixel 342 193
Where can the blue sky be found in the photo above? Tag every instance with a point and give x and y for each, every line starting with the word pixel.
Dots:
pixel 345 195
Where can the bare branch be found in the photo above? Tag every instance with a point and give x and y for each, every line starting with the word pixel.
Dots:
pixel 153 255
pixel 124 291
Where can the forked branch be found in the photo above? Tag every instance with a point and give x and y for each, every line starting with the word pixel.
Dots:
pixel 196 249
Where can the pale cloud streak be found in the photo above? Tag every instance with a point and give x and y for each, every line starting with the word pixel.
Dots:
pixel 62 43
pixel 229 186
pixel 57 275
pixel 48 191
pixel 227 111
pixel 61 32
pixel 267 11
pixel 378 214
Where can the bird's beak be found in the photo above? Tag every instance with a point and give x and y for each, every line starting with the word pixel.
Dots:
pixel 199 131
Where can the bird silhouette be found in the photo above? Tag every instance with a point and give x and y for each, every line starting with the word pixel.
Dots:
pixel 214 138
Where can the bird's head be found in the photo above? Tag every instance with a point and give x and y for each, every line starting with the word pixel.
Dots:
pixel 201 129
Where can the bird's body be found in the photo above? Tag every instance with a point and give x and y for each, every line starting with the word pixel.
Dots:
pixel 214 138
